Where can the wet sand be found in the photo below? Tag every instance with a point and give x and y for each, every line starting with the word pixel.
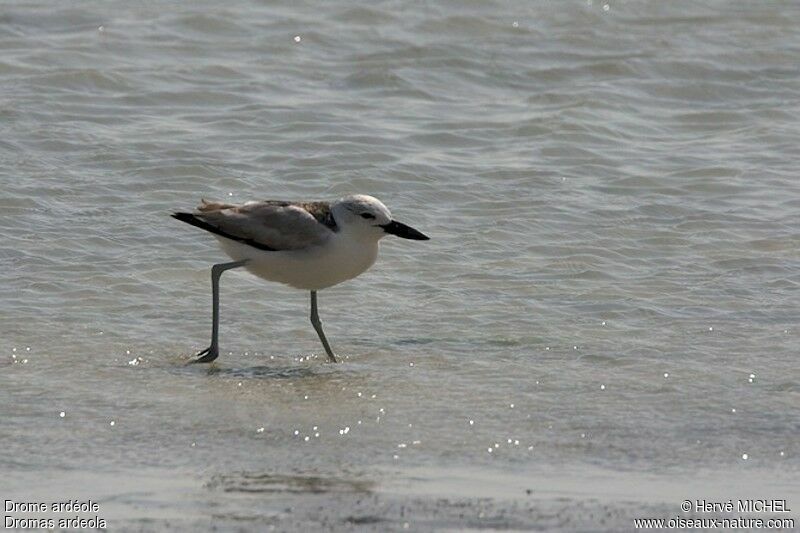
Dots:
pixel 409 500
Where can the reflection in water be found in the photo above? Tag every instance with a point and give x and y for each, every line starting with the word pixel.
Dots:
pixel 268 372
pixel 276 371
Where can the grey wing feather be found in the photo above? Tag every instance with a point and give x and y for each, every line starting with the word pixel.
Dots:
pixel 273 224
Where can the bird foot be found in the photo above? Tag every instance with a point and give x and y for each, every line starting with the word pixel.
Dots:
pixel 206 356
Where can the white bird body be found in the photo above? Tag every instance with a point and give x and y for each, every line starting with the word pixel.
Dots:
pixel 341 257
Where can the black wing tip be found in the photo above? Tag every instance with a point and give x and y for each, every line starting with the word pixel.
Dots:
pixel 194 220
pixel 198 222
pixel 180 215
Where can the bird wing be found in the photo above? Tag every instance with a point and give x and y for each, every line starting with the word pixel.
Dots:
pixel 268 225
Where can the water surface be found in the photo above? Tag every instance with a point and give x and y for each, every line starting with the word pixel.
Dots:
pixel 603 324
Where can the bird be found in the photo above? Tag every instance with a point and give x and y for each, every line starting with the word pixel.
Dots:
pixel 306 245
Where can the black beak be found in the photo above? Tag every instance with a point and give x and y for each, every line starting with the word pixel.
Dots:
pixel 406 232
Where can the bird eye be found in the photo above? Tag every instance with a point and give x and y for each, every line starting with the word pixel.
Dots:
pixel 368 216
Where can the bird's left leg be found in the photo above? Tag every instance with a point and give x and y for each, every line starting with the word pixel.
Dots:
pixel 315 321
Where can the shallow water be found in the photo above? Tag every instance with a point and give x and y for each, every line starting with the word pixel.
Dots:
pixel 607 307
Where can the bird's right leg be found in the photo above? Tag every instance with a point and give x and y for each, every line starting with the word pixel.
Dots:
pixel 212 352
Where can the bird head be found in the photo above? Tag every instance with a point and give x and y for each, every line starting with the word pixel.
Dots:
pixel 368 216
